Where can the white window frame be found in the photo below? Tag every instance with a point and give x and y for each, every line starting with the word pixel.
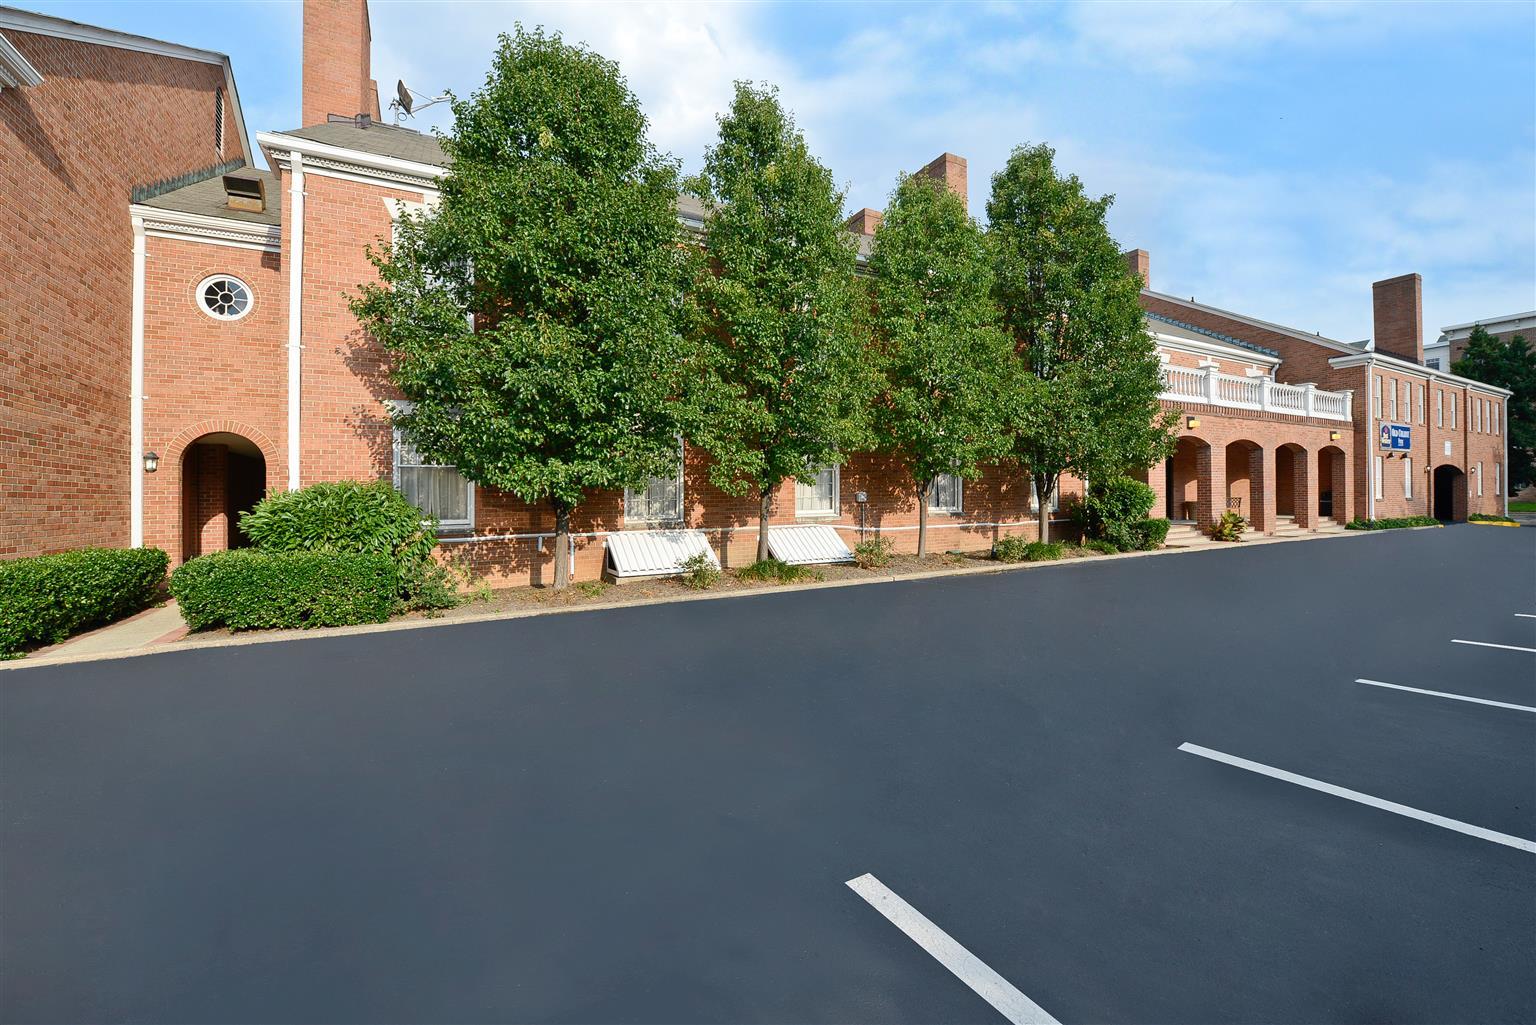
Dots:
pixel 1407 477
pixel 633 498
pixel 837 496
pixel 202 303
pixel 1034 496
pixel 1498 419
pixel 1407 401
pixel 443 526
pixel 1453 411
pixel 1479 478
pixel 1420 397
pixel 1380 473
pixel 1392 387
pixel 1439 407
pixel 1498 480
pixel 1376 397
pixel 956 507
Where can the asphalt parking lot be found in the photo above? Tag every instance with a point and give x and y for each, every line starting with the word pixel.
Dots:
pixel 655 814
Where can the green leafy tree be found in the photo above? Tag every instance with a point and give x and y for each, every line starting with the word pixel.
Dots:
pixel 787 379
pixel 1511 364
pixel 1072 307
pixel 556 232
pixel 947 363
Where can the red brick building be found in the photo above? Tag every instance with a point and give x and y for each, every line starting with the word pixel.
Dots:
pixel 255 376
pixel 87 116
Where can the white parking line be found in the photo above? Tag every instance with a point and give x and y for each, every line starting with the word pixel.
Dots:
pixel 1526 615
pixel 1453 697
pixel 965 966
pixel 1490 644
pixel 1518 842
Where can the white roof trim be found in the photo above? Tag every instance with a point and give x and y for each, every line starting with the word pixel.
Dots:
pixel 1290 332
pixel 388 170
pixel 63 28
pixel 1402 366
pixel 1232 353
pixel 804 544
pixel 219 231
pixel 16 70
pixel 1489 323
pixel 655 553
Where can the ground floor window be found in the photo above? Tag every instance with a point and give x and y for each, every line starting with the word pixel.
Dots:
pixel 1407 478
pixel 1479 479
pixel 944 495
pixel 1379 472
pixel 660 501
pixel 820 497
pixel 1034 496
pixel 1498 481
pixel 437 489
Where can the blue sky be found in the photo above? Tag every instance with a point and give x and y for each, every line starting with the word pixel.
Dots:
pixel 1273 158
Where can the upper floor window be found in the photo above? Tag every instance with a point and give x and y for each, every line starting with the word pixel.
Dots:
pixel 820 497
pixel 660 501
pixel 1392 388
pixel 1420 396
pixel 1439 408
pixel 1433 363
pixel 944 494
pixel 1376 397
pixel 223 297
pixel 1453 411
pixel 1498 420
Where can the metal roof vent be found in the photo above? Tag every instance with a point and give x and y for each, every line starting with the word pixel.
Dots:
pixel 245 193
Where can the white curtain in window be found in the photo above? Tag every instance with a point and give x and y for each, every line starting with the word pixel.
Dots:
pixel 818 498
pixel 437 490
pixel 945 494
pixel 660 502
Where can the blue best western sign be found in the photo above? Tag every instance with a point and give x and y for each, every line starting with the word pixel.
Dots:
pixel 1396 436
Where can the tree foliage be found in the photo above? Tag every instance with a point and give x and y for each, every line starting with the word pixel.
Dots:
pixel 786 383
pixel 1511 364
pixel 1072 307
pixel 947 367
pixel 556 233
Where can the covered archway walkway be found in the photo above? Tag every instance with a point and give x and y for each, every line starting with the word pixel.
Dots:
pixel 222 476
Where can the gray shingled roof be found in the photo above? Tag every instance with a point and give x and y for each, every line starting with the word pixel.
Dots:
pixel 207 197
pixel 382 140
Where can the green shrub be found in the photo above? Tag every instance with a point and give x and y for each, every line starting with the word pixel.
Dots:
pixel 1150 534
pixel 46 598
pixel 1102 547
pixel 1010 548
pixel 1229 528
pixel 699 572
pixel 248 589
pixel 772 571
pixel 1113 510
pixel 1044 551
pixel 353 517
pixel 1392 523
pixel 1485 518
pixel 874 553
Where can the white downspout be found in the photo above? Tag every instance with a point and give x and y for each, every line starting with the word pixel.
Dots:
pixel 136 395
pixel 1372 446
pixel 295 310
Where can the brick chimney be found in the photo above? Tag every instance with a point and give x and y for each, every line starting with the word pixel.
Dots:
pixel 950 170
pixel 1140 262
pixel 337 73
pixel 1397 306
pixel 865 221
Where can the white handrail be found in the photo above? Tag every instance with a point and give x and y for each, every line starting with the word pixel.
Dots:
pixel 1209 387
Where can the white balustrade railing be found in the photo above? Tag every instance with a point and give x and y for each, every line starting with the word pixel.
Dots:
pixel 1212 388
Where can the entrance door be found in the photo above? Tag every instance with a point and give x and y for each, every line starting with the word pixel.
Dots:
pixel 1168 509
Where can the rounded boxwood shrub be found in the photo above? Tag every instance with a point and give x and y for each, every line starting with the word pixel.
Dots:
pixel 247 589
pixel 353 517
pixel 46 598
pixel 1010 548
pixel 1150 534
pixel 1113 510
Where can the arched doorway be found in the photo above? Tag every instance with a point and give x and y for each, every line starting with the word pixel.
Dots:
pixel 1450 486
pixel 1245 481
pixel 1182 479
pixel 222 476
pixel 1332 486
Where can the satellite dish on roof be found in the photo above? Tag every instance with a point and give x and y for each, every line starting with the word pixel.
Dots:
pixel 405 102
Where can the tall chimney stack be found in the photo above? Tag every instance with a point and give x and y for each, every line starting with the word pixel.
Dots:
pixel 1397 307
pixel 951 170
pixel 1140 262
pixel 338 77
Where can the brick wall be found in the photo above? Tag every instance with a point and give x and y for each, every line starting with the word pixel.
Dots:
pixel 103 120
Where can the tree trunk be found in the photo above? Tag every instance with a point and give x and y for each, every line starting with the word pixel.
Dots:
pixel 922 518
pixel 764 510
pixel 1041 485
pixel 562 544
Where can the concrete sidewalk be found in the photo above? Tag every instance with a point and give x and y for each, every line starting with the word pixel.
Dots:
pixel 163 622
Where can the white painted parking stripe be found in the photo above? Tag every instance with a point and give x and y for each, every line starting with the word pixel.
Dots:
pixel 1453 697
pixel 1490 644
pixel 965 966
pixel 1526 615
pixel 1518 842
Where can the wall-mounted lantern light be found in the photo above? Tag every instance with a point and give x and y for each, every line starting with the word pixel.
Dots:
pixel 151 462
pixel 1333 435
pixel 1191 422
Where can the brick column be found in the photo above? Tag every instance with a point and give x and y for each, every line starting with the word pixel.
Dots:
pixel 1304 490
pixel 1157 480
pixel 1341 494
pixel 1261 470
pixel 1211 467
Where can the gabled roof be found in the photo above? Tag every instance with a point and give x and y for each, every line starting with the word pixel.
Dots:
pixel 1208 333
pixel 1296 333
pixel 379 139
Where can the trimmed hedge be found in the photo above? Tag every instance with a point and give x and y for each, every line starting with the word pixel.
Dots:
pixel 1392 523
pixel 1115 510
pixel 253 590
pixel 46 598
pixel 1150 534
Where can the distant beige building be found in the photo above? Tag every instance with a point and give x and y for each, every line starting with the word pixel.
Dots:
pixel 1448 348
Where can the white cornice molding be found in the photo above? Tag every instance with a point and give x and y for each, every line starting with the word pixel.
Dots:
pixel 390 171
pixel 1230 353
pixel 219 231
pixel 1402 366
pixel 15 69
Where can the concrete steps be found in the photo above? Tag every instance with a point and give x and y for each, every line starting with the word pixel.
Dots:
pixel 1185 535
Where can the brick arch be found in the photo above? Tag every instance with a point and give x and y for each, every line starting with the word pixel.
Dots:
pixel 208 492
pixel 189 435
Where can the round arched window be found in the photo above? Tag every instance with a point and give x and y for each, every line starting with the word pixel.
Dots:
pixel 223 297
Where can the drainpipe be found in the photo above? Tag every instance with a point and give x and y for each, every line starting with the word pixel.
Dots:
pixel 136 395
pixel 295 310
pixel 1372 445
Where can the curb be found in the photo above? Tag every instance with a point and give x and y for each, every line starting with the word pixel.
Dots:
pixel 278 636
